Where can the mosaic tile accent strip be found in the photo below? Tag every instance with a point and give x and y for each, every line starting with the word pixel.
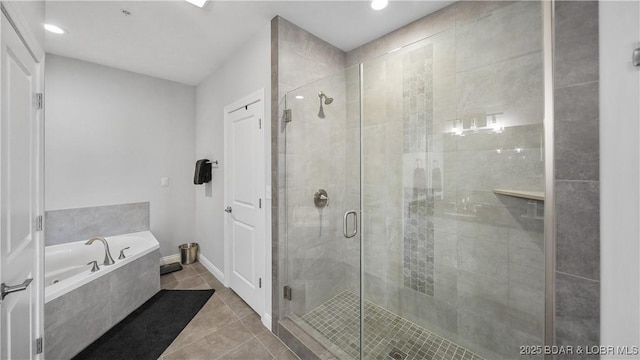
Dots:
pixel 417 115
pixel 338 321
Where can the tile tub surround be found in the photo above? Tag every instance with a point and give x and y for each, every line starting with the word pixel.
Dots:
pixel 76 319
pixel 225 328
pixel 69 225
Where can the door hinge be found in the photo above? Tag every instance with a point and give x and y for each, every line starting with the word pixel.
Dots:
pixel 39 223
pixel 39 101
pixel 287 115
pixel 39 345
pixel 259 203
pixel 287 292
pixel 259 123
pixel 260 283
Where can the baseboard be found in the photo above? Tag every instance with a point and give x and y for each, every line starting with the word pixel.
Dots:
pixel 212 268
pixel 170 259
pixel 266 320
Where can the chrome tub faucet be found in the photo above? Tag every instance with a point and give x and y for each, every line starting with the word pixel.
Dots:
pixel 108 260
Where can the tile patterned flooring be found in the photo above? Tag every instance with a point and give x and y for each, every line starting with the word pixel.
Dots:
pixel 338 321
pixel 225 328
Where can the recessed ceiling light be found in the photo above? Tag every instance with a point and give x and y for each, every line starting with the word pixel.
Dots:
pixel 198 3
pixel 299 97
pixel 379 4
pixel 53 29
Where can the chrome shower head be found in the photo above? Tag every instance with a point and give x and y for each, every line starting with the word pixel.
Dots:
pixel 327 100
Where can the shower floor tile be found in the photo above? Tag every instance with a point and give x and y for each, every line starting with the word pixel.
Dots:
pixel 338 320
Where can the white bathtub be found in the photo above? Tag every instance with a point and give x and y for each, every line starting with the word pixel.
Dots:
pixel 66 266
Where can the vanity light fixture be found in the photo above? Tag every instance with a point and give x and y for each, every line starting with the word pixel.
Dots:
pixel 198 3
pixel 485 123
pixel 54 29
pixel 379 4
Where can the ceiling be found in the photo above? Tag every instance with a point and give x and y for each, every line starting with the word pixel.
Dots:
pixel 177 41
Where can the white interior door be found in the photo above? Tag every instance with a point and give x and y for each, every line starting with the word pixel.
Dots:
pixel 20 252
pixel 244 186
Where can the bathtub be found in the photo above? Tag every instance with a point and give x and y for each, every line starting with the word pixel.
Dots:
pixel 66 266
pixel 81 305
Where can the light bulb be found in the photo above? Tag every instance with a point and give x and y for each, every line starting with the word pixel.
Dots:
pixel 379 4
pixel 53 29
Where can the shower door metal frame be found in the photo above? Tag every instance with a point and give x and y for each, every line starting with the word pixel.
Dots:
pixel 361 84
pixel 549 174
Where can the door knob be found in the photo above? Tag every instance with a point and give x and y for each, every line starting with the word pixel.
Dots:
pixel 8 289
pixel 228 209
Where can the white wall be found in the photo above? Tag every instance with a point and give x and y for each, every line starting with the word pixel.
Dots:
pixel 248 70
pixel 619 173
pixel 110 135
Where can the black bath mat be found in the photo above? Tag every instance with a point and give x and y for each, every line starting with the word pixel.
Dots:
pixel 150 329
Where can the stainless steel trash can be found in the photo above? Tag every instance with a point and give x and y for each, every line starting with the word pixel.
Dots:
pixel 188 253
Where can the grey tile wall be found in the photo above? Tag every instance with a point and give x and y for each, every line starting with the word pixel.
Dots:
pixel 69 225
pixel 417 118
pixel 485 253
pixel 298 58
pixel 576 101
pixel 76 319
pixel 276 198
pixel 488 250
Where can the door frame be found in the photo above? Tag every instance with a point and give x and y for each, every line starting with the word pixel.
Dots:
pixel 20 24
pixel 256 96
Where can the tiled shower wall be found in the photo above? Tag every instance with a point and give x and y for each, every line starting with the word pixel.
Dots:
pixel 298 58
pixel 576 97
pixel 316 158
pixel 418 199
pixel 430 213
pixel 471 257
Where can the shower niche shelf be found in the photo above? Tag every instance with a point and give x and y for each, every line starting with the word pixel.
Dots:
pixel 530 195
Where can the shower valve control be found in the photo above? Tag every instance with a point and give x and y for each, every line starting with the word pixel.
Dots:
pixel 321 199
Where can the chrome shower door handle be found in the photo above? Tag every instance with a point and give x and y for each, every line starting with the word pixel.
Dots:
pixel 345 224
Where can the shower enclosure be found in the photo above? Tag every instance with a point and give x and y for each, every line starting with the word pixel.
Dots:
pixel 415 197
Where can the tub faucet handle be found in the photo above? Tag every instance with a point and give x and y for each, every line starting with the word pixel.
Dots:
pixel 122 253
pixel 95 266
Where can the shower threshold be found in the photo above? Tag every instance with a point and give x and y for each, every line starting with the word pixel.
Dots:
pixel 336 324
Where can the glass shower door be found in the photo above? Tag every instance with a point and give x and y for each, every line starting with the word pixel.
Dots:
pixel 452 267
pixel 322 162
